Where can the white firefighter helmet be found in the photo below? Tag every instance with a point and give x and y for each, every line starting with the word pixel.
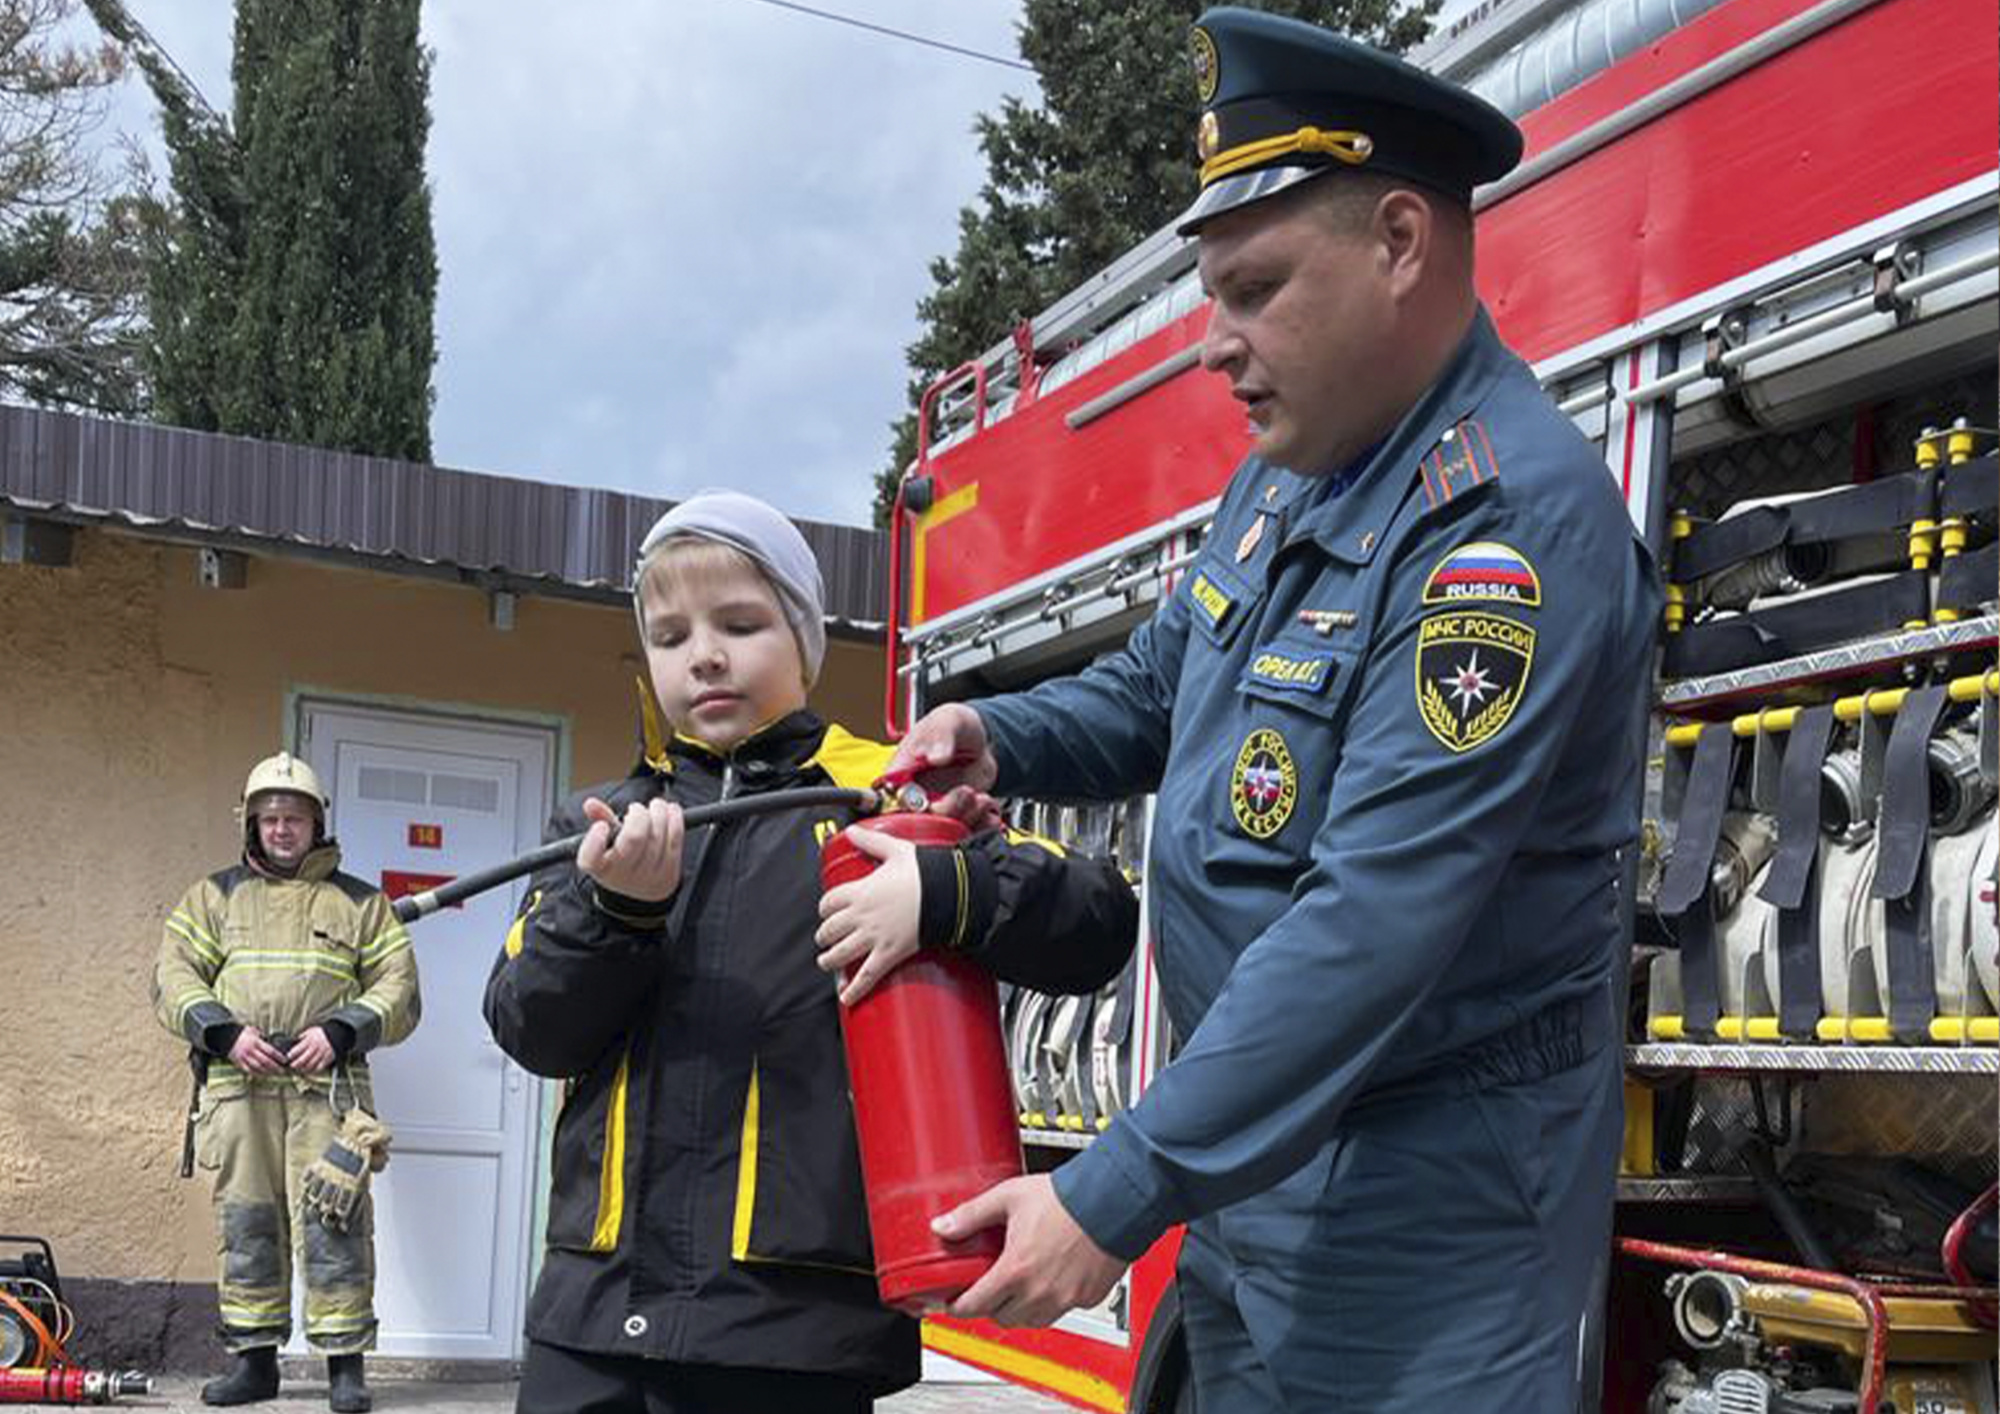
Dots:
pixel 283 772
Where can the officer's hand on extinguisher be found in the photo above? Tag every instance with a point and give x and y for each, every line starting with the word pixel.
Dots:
pixel 974 809
pixel 947 747
pixel 253 1053
pixel 1049 1264
pixel 871 924
pixel 643 860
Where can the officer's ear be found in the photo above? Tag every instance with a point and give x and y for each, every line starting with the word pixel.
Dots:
pixel 1406 229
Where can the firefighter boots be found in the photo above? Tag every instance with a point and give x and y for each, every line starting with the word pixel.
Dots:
pixel 347 1390
pixel 254 1378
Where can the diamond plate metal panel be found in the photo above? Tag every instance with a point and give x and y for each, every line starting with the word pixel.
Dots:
pixel 1824 454
pixel 1946 1122
pixel 1723 1055
pixel 1689 693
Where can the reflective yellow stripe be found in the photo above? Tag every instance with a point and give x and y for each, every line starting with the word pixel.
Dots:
pixel 746 1175
pixel 611 1182
pixel 239 963
pixel 255 1310
pixel 1079 1385
pixel 191 933
pixel 388 942
pixel 288 957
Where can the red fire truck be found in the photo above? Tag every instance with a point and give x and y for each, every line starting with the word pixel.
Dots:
pixel 1752 252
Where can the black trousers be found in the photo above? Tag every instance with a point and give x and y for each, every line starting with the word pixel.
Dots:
pixel 561 1381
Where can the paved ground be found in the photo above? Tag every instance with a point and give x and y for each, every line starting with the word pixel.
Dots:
pixel 179 1395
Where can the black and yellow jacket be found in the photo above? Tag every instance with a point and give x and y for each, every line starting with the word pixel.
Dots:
pixel 706 1204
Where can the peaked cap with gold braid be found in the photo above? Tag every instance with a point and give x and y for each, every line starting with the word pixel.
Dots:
pixel 1283 101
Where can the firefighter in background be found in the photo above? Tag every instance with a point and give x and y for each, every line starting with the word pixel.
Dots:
pixel 282 973
pixel 1392 712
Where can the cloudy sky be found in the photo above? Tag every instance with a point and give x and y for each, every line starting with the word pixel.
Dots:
pixel 680 241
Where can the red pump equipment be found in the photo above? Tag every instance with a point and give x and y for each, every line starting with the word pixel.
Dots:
pixel 933 1108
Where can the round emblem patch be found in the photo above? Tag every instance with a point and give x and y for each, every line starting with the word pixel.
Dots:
pixel 1207 68
pixel 1264 784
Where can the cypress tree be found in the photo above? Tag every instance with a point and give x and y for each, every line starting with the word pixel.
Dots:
pixel 294 275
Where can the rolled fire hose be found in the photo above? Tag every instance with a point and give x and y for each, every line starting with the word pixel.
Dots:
pixel 1958 792
pixel 411 907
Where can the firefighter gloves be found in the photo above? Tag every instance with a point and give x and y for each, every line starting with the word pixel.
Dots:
pixel 337 1180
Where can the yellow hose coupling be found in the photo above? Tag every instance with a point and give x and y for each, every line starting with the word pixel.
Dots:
pixel 1923 543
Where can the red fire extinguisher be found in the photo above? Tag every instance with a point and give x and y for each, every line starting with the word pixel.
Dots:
pixel 933 1108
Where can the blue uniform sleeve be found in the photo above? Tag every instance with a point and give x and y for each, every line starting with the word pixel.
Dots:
pixel 1098 735
pixel 1101 734
pixel 1416 834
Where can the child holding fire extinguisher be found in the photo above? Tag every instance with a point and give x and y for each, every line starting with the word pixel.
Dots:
pixel 707 1235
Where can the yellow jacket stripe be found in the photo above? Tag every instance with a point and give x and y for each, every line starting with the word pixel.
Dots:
pixel 746 1174
pixel 611 1182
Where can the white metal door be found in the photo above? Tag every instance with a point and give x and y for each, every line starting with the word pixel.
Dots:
pixel 417 799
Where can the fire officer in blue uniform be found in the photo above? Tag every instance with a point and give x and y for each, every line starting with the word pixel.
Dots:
pixel 1392 713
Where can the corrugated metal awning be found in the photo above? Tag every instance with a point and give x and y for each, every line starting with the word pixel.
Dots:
pixel 530 534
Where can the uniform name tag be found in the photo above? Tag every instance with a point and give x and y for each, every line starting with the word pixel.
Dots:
pixel 1209 597
pixel 1292 674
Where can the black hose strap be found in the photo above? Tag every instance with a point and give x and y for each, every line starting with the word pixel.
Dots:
pixel 1902 868
pixel 1684 892
pixel 1792 886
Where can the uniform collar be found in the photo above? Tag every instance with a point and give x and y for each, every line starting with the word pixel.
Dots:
pixel 784 745
pixel 316 866
pixel 1351 526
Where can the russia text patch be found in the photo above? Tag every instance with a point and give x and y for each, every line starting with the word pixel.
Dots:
pixel 1485 569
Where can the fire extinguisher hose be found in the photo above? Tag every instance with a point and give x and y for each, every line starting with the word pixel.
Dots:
pixel 411 907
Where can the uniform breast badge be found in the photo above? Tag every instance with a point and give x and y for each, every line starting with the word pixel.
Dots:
pixel 1324 621
pixel 1247 546
pixel 1264 784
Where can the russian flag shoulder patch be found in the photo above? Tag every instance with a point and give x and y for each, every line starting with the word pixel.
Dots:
pixel 1484 569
